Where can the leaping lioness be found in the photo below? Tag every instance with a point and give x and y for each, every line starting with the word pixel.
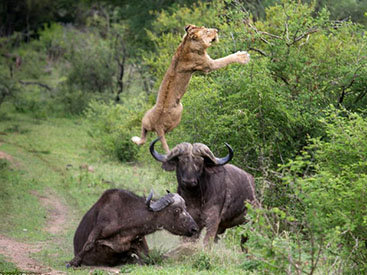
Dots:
pixel 190 56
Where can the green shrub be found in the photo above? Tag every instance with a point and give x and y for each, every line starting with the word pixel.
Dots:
pixel 155 257
pixel 53 40
pixel 334 183
pixel 113 125
pixel 321 219
pixel 202 262
pixel 8 86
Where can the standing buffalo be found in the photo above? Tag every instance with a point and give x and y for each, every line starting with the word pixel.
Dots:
pixel 112 231
pixel 215 192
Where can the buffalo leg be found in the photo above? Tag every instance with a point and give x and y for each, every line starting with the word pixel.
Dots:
pixel 89 244
pixel 140 248
pixel 211 230
pixel 94 235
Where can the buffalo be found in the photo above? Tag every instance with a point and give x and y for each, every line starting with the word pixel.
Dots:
pixel 113 231
pixel 215 192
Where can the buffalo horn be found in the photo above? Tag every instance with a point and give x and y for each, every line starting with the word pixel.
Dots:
pixel 155 154
pixel 204 151
pixel 162 202
pixel 226 159
pixel 147 202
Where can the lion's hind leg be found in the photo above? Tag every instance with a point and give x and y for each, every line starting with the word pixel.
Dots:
pixel 162 137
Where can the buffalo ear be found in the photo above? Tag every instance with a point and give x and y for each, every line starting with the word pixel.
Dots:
pixel 169 165
pixel 209 161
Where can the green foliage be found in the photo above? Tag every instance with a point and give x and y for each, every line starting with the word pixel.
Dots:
pixel 7 267
pixel 113 125
pixel 155 257
pixel 92 65
pixel 202 262
pixel 52 38
pixel 8 87
pixel 322 213
pixel 345 9
pixel 333 190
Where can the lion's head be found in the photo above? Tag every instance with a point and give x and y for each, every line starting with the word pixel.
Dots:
pixel 201 36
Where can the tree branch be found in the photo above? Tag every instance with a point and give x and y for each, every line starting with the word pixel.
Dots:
pixel 259 51
pixel 36 83
pixel 304 35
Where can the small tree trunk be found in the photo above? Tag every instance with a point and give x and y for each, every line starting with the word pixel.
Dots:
pixel 121 64
pixel 120 82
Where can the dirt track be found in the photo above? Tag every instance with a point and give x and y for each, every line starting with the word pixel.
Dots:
pixel 20 253
pixel 57 218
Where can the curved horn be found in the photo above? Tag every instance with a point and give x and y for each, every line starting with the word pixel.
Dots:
pixel 226 159
pixel 147 201
pixel 178 150
pixel 204 151
pixel 162 203
pixel 155 154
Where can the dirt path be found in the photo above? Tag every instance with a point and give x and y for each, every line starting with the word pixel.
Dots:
pixel 57 218
pixel 9 158
pixel 57 212
pixel 19 254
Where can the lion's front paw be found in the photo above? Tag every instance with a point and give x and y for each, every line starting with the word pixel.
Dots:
pixel 243 57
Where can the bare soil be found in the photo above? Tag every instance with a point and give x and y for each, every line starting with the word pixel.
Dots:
pixel 9 158
pixel 57 212
pixel 20 254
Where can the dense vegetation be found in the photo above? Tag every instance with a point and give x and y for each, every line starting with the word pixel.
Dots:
pixel 295 116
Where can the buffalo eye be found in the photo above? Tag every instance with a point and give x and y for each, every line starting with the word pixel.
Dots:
pixel 177 211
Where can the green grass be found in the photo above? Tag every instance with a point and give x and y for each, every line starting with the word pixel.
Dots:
pixel 7 267
pixel 50 154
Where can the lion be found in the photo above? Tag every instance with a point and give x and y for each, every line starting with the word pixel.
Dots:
pixel 190 56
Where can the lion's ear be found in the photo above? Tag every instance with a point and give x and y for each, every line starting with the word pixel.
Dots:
pixel 188 27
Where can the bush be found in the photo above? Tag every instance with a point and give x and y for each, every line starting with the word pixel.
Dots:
pixel 113 125
pixel 8 87
pixel 333 188
pixel 92 66
pixel 322 215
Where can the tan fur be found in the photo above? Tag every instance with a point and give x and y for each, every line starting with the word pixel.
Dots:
pixel 190 56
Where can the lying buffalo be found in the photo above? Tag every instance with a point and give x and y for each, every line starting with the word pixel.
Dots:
pixel 113 231
pixel 215 192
